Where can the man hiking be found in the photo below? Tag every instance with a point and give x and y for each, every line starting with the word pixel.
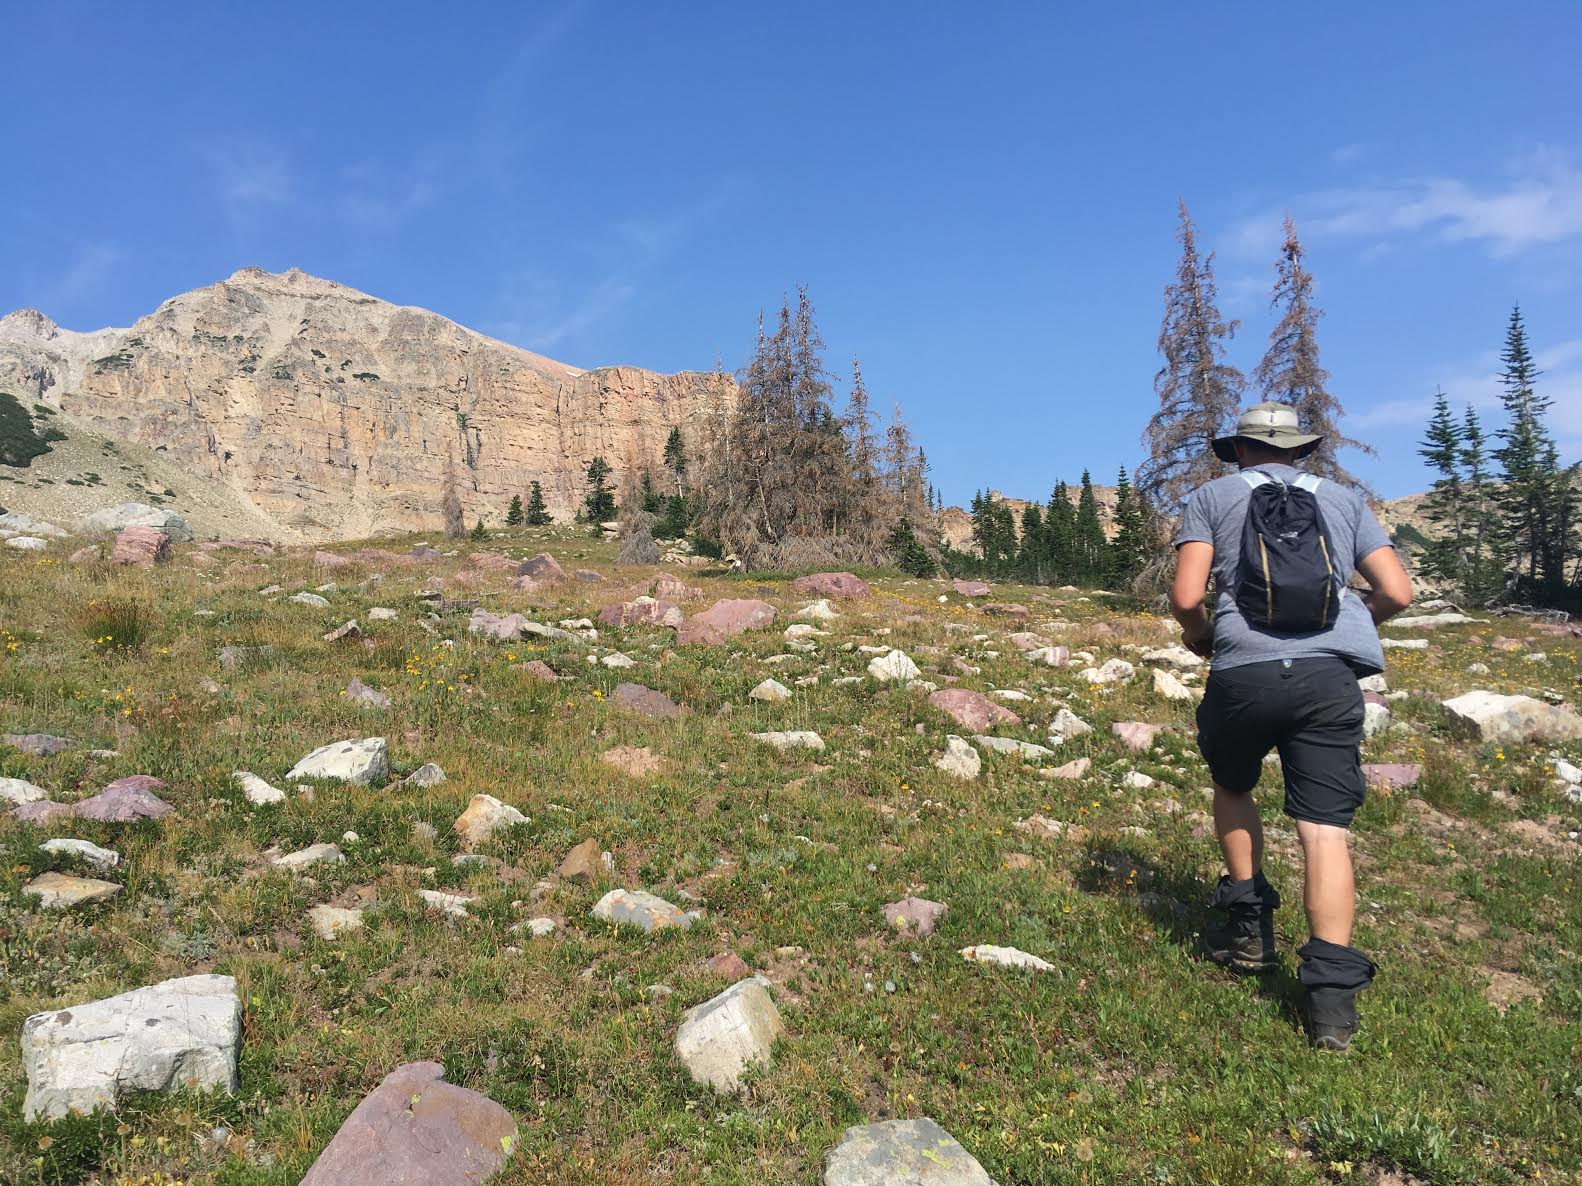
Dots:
pixel 1288 642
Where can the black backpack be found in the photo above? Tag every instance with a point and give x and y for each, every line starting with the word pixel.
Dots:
pixel 1287 582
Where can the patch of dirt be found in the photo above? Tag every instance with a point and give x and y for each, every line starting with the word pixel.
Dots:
pixel 1506 989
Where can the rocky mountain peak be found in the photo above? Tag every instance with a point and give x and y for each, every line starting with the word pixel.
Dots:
pixel 28 325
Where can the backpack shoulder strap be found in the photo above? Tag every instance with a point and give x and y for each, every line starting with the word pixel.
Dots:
pixel 1308 482
pixel 1254 478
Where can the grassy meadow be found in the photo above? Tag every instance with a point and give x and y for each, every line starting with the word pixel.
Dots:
pixel 1132 1061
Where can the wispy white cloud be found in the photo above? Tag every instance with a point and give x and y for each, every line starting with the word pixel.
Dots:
pixel 538 313
pixel 1539 203
pixel 252 175
pixel 1476 381
pixel 381 198
pixel 86 271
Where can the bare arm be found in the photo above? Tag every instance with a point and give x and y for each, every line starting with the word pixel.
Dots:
pixel 1390 587
pixel 1194 560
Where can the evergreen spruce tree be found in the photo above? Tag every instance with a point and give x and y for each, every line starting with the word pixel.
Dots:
pixel 1290 372
pixel 1129 550
pixel 598 505
pixel 1060 531
pixel 675 520
pixel 478 533
pixel 513 513
pixel 907 551
pixel 537 513
pixel 1537 496
pixel 1091 546
pixel 1031 563
pixel 675 458
pixel 1445 555
pixel 1483 568
pixel 647 495
pixel 1199 392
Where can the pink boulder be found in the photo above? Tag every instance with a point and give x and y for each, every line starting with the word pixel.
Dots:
pixel 646 701
pixel 542 567
pixel 538 669
pixel 1138 736
pixel 831 584
pixel 124 800
pixel 645 611
pixel 414 1127
pixel 1395 775
pixel 971 588
pixel 84 555
pixel 491 562
pixel 972 710
pixel 730 965
pixel 672 588
pixel 725 619
pixel 330 560
pixel 141 546
pixel 914 916
pixel 1012 610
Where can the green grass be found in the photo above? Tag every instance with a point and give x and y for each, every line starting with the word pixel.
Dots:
pixel 1131 1061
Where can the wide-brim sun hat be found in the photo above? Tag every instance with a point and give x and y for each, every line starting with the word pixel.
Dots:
pixel 1275 425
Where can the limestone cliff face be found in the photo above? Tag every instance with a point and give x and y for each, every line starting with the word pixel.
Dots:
pixel 337 415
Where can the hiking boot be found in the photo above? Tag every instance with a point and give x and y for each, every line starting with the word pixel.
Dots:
pixel 1333 976
pixel 1245 942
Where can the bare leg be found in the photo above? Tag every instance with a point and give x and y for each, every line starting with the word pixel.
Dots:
pixel 1240 832
pixel 1330 894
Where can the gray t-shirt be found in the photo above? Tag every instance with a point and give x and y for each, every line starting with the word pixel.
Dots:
pixel 1216 514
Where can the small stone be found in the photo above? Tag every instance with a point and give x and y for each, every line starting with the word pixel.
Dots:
pixel 38 745
pixel 353 761
pixel 348 629
pixel 1007 957
pixel 256 790
pixel 972 710
pixel 415 1128
pixel 312 599
pixel 182 1033
pixel 639 699
pixel 426 775
pixel 902 1153
pixel 640 909
pixel 720 1039
pixel 1025 750
pixel 124 800
pixel 818 611
pixel 1115 671
pixel 1137 736
pixel 484 816
pixel 1136 780
pixel 793 739
pixel 1487 716
pixel 1071 770
pixel 103 857
pixel 452 905
pixel 584 861
pixel 729 965
pixel 17 790
pixel 1395 775
pixel 914 916
pixel 770 692
pixel 363 696
pixel 1068 724
pixel 1169 687
pixel 959 760
pixel 313 854
pixel 61 891
pixel 894 667
pixel 381 613
pixel 328 921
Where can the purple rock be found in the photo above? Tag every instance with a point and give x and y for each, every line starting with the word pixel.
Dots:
pixel 647 701
pixel 916 916
pixel 39 745
pixel 972 710
pixel 831 584
pixel 120 803
pixel 542 567
pixel 416 1128
pixel 1396 775
pixel 1138 736
pixel 41 811
pixel 725 619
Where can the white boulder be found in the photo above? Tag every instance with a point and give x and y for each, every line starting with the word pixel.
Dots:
pixel 719 1039
pixel 181 1033
pixel 347 761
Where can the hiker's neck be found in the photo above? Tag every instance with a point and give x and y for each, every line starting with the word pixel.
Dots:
pixel 1251 458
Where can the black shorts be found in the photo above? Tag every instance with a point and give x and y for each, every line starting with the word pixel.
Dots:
pixel 1308 709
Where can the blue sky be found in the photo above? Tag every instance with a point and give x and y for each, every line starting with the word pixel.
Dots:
pixel 980 198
